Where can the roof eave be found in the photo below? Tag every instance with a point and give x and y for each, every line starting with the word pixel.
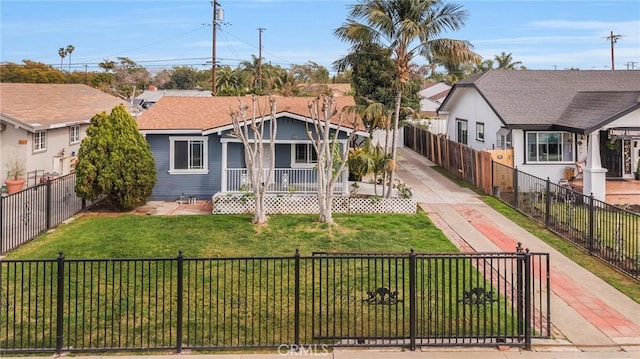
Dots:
pixel 618 115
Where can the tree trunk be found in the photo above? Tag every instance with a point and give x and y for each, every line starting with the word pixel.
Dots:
pixel 394 152
pixel 259 215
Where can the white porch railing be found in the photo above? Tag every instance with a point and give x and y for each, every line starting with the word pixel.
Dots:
pixel 283 180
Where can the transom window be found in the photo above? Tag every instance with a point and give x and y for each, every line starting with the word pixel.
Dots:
pixel 549 147
pixel 188 155
pixel 74 134
pixel 304 153
pixel 39 141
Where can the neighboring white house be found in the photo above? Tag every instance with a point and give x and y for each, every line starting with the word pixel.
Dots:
pixel 431 97
pixel 552 119
pixel 42 125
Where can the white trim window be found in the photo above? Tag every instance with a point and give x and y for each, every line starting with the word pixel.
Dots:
pixel 303 155
pixel 546 146
pixel 39 141
pixel 74 135
pixel 188 155
pixel 480 131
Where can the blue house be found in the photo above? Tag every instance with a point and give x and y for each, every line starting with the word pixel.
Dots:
pixel 196 156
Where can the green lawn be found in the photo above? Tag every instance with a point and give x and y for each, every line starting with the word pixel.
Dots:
pixel 130 236
pixel 238 302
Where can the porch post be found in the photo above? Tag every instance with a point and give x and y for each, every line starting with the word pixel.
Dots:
pixel 223 168
pixel 594 175
pixel 345 171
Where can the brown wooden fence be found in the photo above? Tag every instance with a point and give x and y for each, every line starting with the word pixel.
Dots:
pixel 461 161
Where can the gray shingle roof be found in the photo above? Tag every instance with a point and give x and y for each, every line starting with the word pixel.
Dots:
pixel 534 98
pixel 591 110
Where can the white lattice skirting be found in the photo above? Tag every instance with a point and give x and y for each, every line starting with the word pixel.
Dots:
pixel 299 204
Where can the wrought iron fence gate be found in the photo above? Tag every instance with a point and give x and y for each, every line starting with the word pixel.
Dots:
pixel 431 299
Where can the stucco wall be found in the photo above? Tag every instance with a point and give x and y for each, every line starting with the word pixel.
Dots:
pixel 469 105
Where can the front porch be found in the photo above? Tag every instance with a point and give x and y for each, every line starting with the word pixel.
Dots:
pixel 283 181
pixel 617 191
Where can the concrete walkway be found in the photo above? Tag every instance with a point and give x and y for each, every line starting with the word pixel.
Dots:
pixel 587 313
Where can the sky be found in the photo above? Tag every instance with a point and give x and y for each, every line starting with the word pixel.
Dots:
pixel 158 34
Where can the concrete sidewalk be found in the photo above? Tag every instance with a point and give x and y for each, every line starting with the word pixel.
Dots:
pixel 452 353
pixel 586 312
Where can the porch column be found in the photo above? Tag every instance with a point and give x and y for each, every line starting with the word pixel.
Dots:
pixel 594 175
pixel 223 168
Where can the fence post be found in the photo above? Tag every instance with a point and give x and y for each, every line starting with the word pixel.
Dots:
pixel 527 300
pixel 519 289
pixel 60 304
pixel 48 206
pixel 412 300
pixel 547 203
pixel 179 302
pixel 1 225
pixel 591 219
pixel 296 309
pixel 515 187
pixel 493 191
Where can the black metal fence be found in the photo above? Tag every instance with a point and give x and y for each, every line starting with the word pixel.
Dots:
pixel 324 300
pixel 26 214
pixel 604 230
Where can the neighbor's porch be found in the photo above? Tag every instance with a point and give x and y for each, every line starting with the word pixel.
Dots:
pixel 617 191
pixel 283 180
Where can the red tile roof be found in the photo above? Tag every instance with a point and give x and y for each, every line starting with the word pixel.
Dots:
pixel 206 113
pixel 44 105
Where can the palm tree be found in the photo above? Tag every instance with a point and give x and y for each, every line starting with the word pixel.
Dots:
pixel 69 50
pixel 407 28
pixel 250 70
pixel 229 81
pixel 62 53
pixel 107 65
pixel 505 62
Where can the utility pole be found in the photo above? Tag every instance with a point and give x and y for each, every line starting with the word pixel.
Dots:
pixel 613 38
pixel 213 48
pixel 260 30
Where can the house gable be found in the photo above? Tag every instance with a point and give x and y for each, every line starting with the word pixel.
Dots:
pixel 537 99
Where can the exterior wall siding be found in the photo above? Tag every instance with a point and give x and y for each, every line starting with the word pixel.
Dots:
pixel 169 187
pixel 57 140
pixel 469 105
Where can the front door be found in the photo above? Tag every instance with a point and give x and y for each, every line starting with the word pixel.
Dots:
pixel 611 155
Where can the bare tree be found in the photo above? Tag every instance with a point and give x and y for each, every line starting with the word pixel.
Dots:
pixel 250 130
pixel 332 153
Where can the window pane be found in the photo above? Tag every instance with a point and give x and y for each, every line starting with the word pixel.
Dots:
pixel 555 150
pixel 532 144
pixel 180 155
pixel 301 153
pixel 567 147
pixel 196 155
pixel 480 131
pixel 314 155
